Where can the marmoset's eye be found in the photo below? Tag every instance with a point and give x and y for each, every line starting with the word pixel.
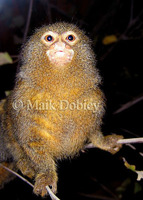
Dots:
pixel 70 38
pixel 48 38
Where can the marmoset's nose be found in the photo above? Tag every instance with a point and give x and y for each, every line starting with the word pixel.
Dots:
pixel 59 46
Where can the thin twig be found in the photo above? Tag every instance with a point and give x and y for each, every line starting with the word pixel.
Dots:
pixel 103 20
pixel 52 195
pixel 128 104
pixel 16 174
pixel 121 141
pixel 28 20
pixel 124 36
pixel 130 140
pixel 129 132
pixel 106 189
pixel 131 146
pixel 134 148
pixel 131 12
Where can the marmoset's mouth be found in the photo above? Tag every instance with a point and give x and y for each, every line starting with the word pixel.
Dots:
pixel 60 53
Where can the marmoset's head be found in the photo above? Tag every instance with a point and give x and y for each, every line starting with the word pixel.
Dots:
pixel 58 45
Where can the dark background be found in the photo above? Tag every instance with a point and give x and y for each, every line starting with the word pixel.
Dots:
pixel 95 174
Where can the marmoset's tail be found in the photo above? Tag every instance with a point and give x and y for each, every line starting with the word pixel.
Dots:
pixel 5 157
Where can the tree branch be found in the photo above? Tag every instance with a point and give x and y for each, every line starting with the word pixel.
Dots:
pixel 131 12
pixel 123 36
pixel 121 141
pixel 106 189
pixel 28 20
pixel 130 140
pixel 16 174
pixel 52 195
pixel 128 104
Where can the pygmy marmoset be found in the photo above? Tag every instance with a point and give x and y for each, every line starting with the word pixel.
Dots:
pixel 55 108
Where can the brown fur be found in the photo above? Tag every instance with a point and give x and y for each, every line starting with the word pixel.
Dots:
pixel 36 138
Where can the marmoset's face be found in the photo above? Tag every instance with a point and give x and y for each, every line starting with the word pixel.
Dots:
pixel 59 47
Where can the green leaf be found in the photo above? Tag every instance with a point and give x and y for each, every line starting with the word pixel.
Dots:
pixel 127 165
pixel 5 59
pixel 137 188
pixel 131 167
pixel 124 186
pixel 7 93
